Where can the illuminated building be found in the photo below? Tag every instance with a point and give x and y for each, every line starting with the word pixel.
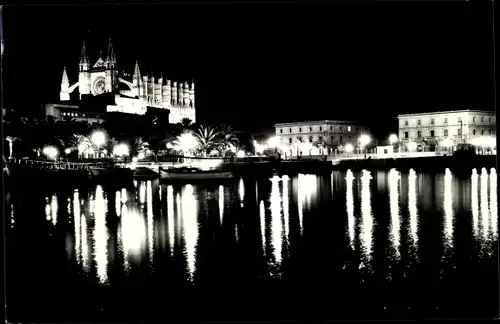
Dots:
pixel 317 137
pixel 442 131
pixel 129 96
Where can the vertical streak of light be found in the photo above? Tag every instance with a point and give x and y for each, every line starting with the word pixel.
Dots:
pixel 366 215
pixel 124 197
pixel 241 191
pixel 475 203
pixel 493 203
pixel 276 218
pixel 394 208
pixel 448 206
pixel 100 236
pixel 122 240
pixel 85 246
pixel 190 225
pixel 221 203
pixel 77 225
pixel 142 192
pixel 262 214
pixel 178 218
pixel 484 204
pixel 118 203
pixel 412 206
pixel 48 210
pixel 54 208
pixel 170 217
pixel 150 220
pixel 350 206
pixel 285 200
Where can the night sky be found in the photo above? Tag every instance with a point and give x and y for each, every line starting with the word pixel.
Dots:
pixel 255 65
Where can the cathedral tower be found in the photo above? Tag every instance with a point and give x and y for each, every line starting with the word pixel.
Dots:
pixel 84 73
pixel 64 94
pixel 111 70
pixel 136 81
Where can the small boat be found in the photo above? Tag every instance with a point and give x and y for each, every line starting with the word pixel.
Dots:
pixel 190 173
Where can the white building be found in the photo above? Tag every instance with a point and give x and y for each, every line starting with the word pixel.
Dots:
pixel 317 137
pixel 443 130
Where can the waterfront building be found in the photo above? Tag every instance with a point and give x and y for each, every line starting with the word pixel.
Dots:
pixel 320 137
pixel 442 131
pixel 131 96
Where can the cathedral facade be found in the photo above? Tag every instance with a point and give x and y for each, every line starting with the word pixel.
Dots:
pixel 134 96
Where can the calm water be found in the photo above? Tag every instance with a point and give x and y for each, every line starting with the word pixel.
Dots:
pixel 349 245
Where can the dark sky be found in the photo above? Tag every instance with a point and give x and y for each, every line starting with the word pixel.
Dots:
pixel 255 65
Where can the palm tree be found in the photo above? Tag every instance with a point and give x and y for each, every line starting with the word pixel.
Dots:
pixel 207 139
pixel 226 138
pixel 11 140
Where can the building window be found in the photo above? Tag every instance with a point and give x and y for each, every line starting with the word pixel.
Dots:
pixel 482 119
pixel 419 134
pixel 490 119
pixel 474 119
pixel 290 140
pixel 340 128
pixel 333 138
pixel 290 130
pixel 340 139
pixel 348 128
pixel 432 133
pixel 473 132
pixel 299 138
pixel 310 139
pixel 320 138
pixel 406 123
pixel 432 121
pixel 460 131
pixel 320 128
pixel 482 131
pixel 446 120
pixel 310 129
pixel 406 135
pixel 490 132
pixel 300 129
pixel 445 132
pixel 331 128
pixel 281 131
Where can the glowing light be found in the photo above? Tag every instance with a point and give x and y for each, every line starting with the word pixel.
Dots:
pixel 190 225
pixel 85 245
pixel 493 204
pixel 118 205
pixel 221 203
pixel 275 201
pixel 307 187
pixel 100 235
pixel 285 202
pixel 141 156
pixel 262 215
pixel 124 196
pixel 51 152
pixel 77 225
pixel 142 192
pixel 350 207
pixel 273 141
pixel 169 146
pixel 171 217
pixel 240 154
pixel 121 149
pixel 366 216
pixel 241 191
pixel 475 203
pixel 448 206
pixel 393 138
pixel 364 140
pixel 150 220
pixel 54 209
pixel 412 146
pixel 412 206
pixel 133 234
pixel 98 138
pixel 394 208
pixel 67 151
pixel 349 148
pixel 485 213
pixel 187 142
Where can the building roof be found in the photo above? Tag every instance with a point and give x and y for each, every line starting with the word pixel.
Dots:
pixel 325 121
pixel 447 112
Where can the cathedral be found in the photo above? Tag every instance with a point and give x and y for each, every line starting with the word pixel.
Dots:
pixel 130 96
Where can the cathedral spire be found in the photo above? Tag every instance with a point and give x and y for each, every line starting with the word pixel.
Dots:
pixel 137 72
pixel 111 58
pixel 64 94
pixel 84 60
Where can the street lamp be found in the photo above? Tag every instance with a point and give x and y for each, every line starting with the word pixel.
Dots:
pixel 364 140
pixel 393 139
pixel 51 152
pixel 121 150
pixel 98 138
pixel 274 142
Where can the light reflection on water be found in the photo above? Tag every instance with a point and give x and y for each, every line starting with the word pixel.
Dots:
pixel 285 204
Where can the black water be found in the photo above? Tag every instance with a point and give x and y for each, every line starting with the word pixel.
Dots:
pixel 380 245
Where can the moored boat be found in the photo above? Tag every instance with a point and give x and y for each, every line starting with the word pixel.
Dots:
pixel 190 173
